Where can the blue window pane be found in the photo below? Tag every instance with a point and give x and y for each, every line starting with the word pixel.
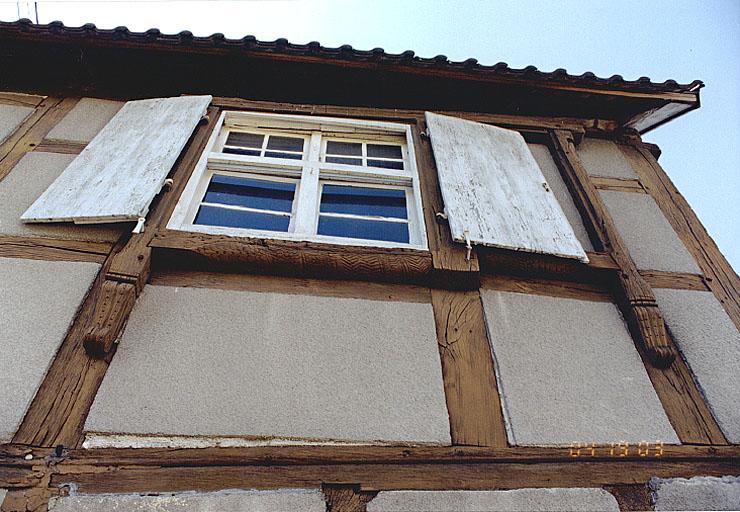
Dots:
pixel 214 216
pixel 364 229
pixel 381 202
pixel 252 193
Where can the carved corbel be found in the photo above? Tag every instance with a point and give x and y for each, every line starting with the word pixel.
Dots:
pixel 115 301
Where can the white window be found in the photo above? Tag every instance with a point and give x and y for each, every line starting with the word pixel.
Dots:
pixel 341 181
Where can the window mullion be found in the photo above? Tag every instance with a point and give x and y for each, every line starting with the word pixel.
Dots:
pixel 307 202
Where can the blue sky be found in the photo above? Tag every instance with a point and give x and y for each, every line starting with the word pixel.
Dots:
pixel 682 40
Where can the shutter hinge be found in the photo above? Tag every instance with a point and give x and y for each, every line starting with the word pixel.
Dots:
pixel 468 246
pixel 139 228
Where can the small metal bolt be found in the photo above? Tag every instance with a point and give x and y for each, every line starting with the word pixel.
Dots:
pixel 29 456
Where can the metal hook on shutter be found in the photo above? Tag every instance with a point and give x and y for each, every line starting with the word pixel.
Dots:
pixel 139 228
pixel 468 246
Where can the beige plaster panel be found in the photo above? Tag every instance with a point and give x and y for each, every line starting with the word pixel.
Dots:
pixel 25 183
pixel 39 301
pixel 569 372
pixel 85 120
pixel 11 116
pixel 604 158
pixel 519 500
pixel 698 493
pixel 650 238
pixel 552 174
pixel 710 343
pixel 282 500
pixel 207 362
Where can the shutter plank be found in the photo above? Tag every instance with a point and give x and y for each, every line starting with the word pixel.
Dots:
pixel 494 191
pixel 120 171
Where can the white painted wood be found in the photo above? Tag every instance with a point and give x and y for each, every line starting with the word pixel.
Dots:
pixel 120 171
pixel 494 191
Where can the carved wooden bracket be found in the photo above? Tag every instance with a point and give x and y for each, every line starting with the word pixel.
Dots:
pixel 115 301
pixel 637 299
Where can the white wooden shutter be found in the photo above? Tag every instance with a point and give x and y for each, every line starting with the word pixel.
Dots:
pixel 494 191
pixel 120 171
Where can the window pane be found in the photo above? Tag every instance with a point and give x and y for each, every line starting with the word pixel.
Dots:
pixel 284 143
pixel 384 151
pixel 238 151
pixel 344 148
pixel 252 193
pixel 386 164
pixel 214 216
pixel 340 160
pixel 276 154
pixel 245 140
pixel 364 229
pixel 381 202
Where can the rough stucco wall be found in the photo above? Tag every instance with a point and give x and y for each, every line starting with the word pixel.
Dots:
pixel 698 493
pixel 604 158
pixel 548 167
pixel 649 237
pixel 569 372
pixel 520 500
pixel 39 300
pixel 25 183
pixel 3 492
pixel 282 500
pixel 85 120
pixel 710 343
pixel 266 364
pixel 11 116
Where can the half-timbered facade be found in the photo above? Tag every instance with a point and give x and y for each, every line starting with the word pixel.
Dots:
pixel 241 275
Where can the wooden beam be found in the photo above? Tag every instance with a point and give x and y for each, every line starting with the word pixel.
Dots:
pixel 290 285
pixel 30 134
pixel 52 249
pixel 676 280
pixel 346 498
pixel 618 184
pixel 410 116
pixel 720 277
pixel 473 402
pixel 67 147
pixel 374 477
pixel 637 299
pixel 549 287
pixel 20 100
pixel 631 497
pixel 284 257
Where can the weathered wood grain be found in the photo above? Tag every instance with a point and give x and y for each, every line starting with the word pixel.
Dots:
pixel 120 171
pixel 631 497
pixel 30 134
pixel 283 257
pixel 53 250
pixel 677 280
pixel 549 287
pixel 637 299
pixel 720 277
pixel 395 476
pixel 494 192
pixel 166 276
pixel 67 147
pixel 618 184
pixel 473 402
pixel 346 498
pixel 115 301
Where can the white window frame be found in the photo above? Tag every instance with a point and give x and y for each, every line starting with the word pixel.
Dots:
pixel 310 174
